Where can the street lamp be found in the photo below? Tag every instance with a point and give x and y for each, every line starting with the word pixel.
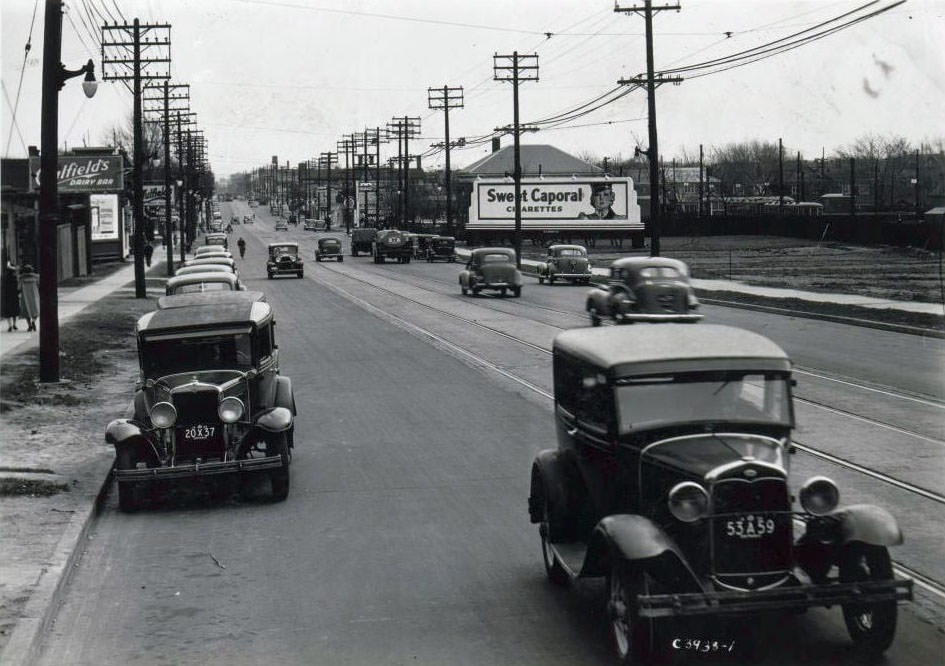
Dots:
pixel 55 76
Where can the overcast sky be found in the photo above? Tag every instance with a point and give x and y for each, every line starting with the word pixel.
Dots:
pixel 290 77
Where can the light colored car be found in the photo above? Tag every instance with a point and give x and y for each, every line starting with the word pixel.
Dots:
pixel 201 282
pixel 644 289
pixel 491 268
pixel 282 225
pixel 565 262
pixel 213 261
pixel 211 250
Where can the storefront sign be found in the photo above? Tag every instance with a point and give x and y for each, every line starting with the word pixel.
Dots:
pixel 104 212
pixel 85 173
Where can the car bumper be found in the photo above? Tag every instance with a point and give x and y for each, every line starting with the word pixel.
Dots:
pixel 661 318
pixel 199 469
pixel 785 598
pixel 572 276
pixel 293 270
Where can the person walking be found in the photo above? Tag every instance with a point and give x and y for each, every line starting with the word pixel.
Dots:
pixel 242 246
pixel 148 252
pixel 29 296
pixel 10 296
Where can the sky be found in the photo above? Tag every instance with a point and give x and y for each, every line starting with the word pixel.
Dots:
pixel 290 77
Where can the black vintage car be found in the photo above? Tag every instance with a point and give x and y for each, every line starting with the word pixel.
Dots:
pixel 565 262
pixel 329 247
pixel 441 247
pixel 362 240
pixel 209 400
pixel 393 244
pixel 644 289
pixel 284 259
pixel 671 479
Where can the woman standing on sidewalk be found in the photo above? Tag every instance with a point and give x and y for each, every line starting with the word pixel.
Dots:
pixel 29 296
pixel 10 296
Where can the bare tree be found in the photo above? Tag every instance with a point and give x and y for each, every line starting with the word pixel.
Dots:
pixel 748 168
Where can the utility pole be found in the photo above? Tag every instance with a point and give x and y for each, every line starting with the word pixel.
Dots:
pixel 651 82
pixel 346 144
pixel 327 159
pixel 780 178
pixel 918 210
pixel 523 68
pixel 114 68
pixel 404 127
pixel 852 186
pixel 446 98
pixel 380 135
pixel 701 187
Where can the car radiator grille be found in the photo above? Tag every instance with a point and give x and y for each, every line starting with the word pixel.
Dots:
pixel 751 532
pixel 198 432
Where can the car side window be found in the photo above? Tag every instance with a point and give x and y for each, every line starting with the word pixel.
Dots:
pixel 583 390
pixel 264 342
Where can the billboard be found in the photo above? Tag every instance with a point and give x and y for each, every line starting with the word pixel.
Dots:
pixel 85 173
pixel 593 203
pixel 104 213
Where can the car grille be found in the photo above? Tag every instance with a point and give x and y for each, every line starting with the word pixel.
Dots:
pixel 751 530
pixel 198 432
pixel 197 406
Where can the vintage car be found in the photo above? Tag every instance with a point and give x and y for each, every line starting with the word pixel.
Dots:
pixel 215 297
pixel 217 239
pixel 671 479
pixel 644 289
pixel 212 260
pixel 203 268
pixel 362 240
pixel 420 243
pixel 565 262
pixel 329 247
pixel 200 282
pixel 394 244
pixel 441 247
pixel 284 259
pixel 209 400
pixel 491 268
pixel 211 251
pixel 310 224
pixel 281 225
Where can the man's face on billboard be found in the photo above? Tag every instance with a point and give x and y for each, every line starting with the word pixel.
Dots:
pixel 603 199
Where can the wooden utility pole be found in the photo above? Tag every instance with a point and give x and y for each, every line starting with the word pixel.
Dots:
pixel 522 68
pixel 404 127
pixel 651 82
pixel 446 98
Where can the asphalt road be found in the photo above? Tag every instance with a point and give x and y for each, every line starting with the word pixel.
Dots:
pixel 405 539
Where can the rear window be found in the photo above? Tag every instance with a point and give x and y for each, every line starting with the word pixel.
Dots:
pixel 200 287
pixel 495 259
pixel 664 272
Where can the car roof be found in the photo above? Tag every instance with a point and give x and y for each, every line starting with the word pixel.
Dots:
pixel 567 247
pixel 216 235
pixel 210 298
pixel 205 314
pixel 284 244
pixel 213 259
pixel 479 251
pixel 452 238
pixel 637 263
pixel 190 269
pixel 206 276
pixel 647 348
pixel 329 239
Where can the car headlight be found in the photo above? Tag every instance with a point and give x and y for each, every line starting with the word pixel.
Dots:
pixel 688 501
pixel 819 495
pixel 163 415
pixel 230 409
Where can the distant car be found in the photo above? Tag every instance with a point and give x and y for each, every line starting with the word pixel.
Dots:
pixel 309 224
pixel 491 268
pixel 671 480
pixel 329 247
pixel 200 282
pixel 441 247
pixel 421 242
pixel 284 259
pixel 210 400
pixel 362 240
pixel 217 239
pixel 392 244
pixel 644 289
pixel 281 225
pixel 565 262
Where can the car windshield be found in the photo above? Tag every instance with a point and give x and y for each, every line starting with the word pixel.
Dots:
pixel 198 287
pixel 494 259
pixel 570 252
pixel 284 249
pixel 168 356
pixel 216 241
pixel 652 402
pixel 329 241
pixel 664 272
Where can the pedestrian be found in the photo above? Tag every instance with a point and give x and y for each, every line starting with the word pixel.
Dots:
pixel 10 296
pixel 29 296
pixel 148 251
pixel 328 222
pixel 242 246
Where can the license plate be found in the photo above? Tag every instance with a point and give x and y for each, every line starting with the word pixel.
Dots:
pixel 751 526
pixel 199 432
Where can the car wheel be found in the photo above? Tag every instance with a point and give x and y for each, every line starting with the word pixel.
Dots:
pixel 127 490
pixel 516 291
pixel 354 253
pixel 317 258
pixel 300 274
pixel 551 277
pixel 464 290
pixel 630 632
pixel 503 291
pixel 871 626
pixel 556 572
pixel 270 275
pixel 279 478
pixel 340 258
pixel 541 279
pixel 595 317
pixel 407 260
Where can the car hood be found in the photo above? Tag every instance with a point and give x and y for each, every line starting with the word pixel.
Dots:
pixel 700 455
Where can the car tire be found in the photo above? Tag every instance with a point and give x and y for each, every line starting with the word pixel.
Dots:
pixel 593 314
pixel 127 490
pixel 517 292
pixel 279 478
pixel 464 290
pixel 318 258
pixel 503 291
pixel 406 260
pixel 541 279
pixel 340 258
pixel 630 634
pixel 270 275
pixel 551 277
pixel 354 253
pixel 555 571
pixel 301 274
pixel 872 627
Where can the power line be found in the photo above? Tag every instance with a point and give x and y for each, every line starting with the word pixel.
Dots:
pixel 19 86
pixel 14 124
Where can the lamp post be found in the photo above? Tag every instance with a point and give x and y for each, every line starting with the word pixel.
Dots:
pixel 55 76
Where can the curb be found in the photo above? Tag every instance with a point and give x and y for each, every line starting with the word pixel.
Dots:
pixel 24 645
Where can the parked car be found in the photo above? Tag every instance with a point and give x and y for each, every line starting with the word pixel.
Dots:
pixel 362 240
pixel 491 268
pixel 329 247
pixel 200 282
pixel 215 238
pixel 671 479
pixel 565 262
pixel 209 400
pixel 202 268
pixel 212 260
pixel 281 225
pixel 310 224
pixel 644 289
pixel 393 244
pixel 284 259
pixel 420 243
pixel 211 251
pixel 441 247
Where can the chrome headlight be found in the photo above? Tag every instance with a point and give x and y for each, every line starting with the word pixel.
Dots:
pixel 163 415
pixel 819 495
pixel 688 501
pixel 230 409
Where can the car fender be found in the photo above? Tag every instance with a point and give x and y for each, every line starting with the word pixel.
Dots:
pixel 464 278
pixel 285 396
pixel 640 542
pixel 517 279
pixel 275 420
pixel 869 524
pixel 123 433
pixel 598 299
pixel 551 482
